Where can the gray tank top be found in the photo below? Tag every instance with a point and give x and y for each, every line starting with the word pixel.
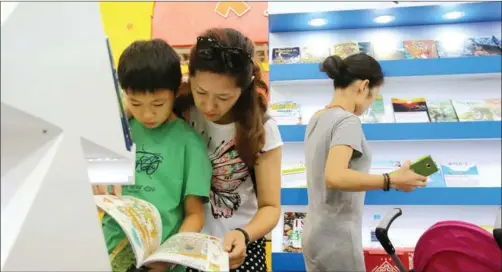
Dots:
pixel 332 233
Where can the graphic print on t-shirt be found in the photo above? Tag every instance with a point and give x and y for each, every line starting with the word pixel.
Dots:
pixel 229 172
pixel 147 162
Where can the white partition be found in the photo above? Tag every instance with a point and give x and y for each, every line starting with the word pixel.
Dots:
pixel 58 103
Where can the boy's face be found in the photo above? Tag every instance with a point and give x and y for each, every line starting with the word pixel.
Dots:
pixel 150 109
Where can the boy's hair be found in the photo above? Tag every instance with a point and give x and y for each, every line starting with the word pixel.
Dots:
pixel 146 66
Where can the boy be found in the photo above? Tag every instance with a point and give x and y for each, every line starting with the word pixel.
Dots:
pixel 173 171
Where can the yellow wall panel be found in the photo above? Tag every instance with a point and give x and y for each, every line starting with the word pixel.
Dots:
pixel 125 22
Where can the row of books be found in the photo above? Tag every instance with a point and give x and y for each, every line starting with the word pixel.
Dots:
pixel 450 174
pixel 406 110
pixel 410 49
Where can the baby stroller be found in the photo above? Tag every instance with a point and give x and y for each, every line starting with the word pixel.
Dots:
pixel 449 246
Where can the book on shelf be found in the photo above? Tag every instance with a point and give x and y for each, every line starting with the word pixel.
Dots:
pixel 294 175
pixel 472 110
pixel 142 225
pixel 420 49
pixel 389 50
pixel 453 48
pixel 484 46
pixel 345 49
pixel 366 48
pixel 412 110
pixel 292 231
pixel 311 54
pixel 286 55
pixel 495 107
pixel 286 112
pixel 460 174
pixel 375 113
pixel 441 111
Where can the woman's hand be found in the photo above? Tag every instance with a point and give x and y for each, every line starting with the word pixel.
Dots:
pixel 235 244
pixel 404 179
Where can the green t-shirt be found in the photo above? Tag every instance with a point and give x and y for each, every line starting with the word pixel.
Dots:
pixel 171 163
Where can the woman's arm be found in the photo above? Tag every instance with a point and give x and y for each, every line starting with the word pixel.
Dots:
pixel 268 183
pixel 339 176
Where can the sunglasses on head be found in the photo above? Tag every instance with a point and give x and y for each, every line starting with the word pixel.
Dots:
pixel 210 49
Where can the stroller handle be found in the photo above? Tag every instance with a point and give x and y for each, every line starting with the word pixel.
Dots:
pixel 382 230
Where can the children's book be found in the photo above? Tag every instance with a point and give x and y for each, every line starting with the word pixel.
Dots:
pixel 436 180
pixel 313 54
pixel 441 111
pixel 472 110
pixel 420 49
pixel 388 50
pixel 453 48
pixel 412 110
pixel 460 174
pixel 286 112
pixel 142 225
pixel 293 229
pixel 345 49
pixel 366 48
pixel 495 106
pixel 286 55
pixel 484 46
pixel 375 113
pixel 294 175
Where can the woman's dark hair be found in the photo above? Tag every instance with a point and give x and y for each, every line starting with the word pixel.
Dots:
pixel 358 66
pixel 249 110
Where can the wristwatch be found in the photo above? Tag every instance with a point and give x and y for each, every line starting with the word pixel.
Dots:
pixel 246 235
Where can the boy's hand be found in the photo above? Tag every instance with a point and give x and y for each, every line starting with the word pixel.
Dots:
pixel 235 244
pixel 160 266
pixel 103 190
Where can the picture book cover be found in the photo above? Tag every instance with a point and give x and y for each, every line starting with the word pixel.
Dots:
pixel 484 46
pixel 460 174
pixel 472 110
pixel 441 111
pixel 142 225
pixel 294 175
pixel 126 130
pixel 313 54
pixel 389 51
pixel 412 110
pixel 286 112
pixel 375 113
pixel 293 229
pixel 345 49
pixel 453 48
pixel 495 106
pixel 420 49
pixel 366 47
pixel 286 55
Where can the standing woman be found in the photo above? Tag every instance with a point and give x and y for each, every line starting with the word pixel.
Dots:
pixel 244 146
pixel 338 160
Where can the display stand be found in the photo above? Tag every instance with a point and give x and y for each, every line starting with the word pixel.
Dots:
pixel 440 78
pixel 58 100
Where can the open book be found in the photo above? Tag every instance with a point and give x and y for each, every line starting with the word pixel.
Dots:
pixel 141 222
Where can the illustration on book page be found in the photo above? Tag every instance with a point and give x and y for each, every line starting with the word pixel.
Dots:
pixel 139 220
pixel 199 251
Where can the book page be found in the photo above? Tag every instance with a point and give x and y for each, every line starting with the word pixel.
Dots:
pixel 139 220
pixel 198 251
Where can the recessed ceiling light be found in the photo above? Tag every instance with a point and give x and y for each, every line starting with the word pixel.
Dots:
pixel 453 15
pixel 384 19
pixel 318 22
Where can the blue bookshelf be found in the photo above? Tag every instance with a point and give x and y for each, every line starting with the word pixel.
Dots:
pixel 288 262
pixel 482 196
pixel 404 16
pixel 413 131
pixel 398 68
